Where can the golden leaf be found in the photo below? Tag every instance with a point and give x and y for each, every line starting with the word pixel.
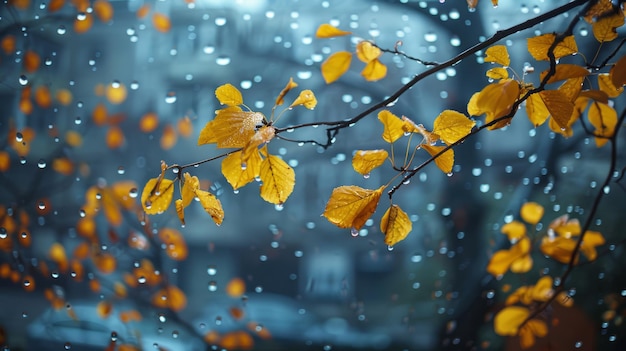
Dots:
pixel 536 110
pixel 393 126
pixel 262 136
pixel 605 28
pixel 533 328
pixel 445 161
pixel 451 126
pixel 565 71
pixel 326 30
pixel 514 230
pixel 336 65
pixel 498 54
pixel 538 46
pixel 559 105
pixel 161 22
pixel 228 95
pixel 31 61
pixel 601 7
pixel 351 206
pixel 306 98
pixel 496 101
pixel 281 97
pixel 278 180
pixel 231 128
pixel 604 118
pixel 497 73
pixel 588 246
pixel 174 242
pixel 472 106
pixel 517 258
pixel 395 224
pixel 408 126
pixel 531 212
pixel 374 70
pixel 238 174
pixel 180 210
pixel 188 191
pixel 558 248
pixel 509 319
pixel 618 72
pixel 157 195
pixel 211 205
pixel 606 85
pixel 571 88
pixel 170 297
pixel 367 52
pixel 103 10
pixel 364 161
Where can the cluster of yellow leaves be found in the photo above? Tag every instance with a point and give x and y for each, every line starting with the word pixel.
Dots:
pixel 338 63
pixel 515 319
pixel 351 206
pixel 558 243
pixel 604 20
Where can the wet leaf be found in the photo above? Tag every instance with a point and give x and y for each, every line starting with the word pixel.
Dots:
pixel 231 128
pixel 604 119
pixel 531 212
pixel 228 95
pixel 105 262
pixel 103 10
pixel 42 96
pixel 536 110
pixel 5 161
pixel 104 308
pixel 600 8
pixel 367 52
pixel 374 70
pixel 509 319
pixel 565 71
pixel 115 137
pixel 408 126
pixel 160 22
pixel 451 126
pixel 236 173
pixel 336 65
pixel 559 105
pixel 8 44
pixel 498 54
pixel 590 241
pixel 170 297
pixel 169 137
pixel 364 161
pixel 496 101
pixel 148 122
pixel 306 98
pixel 350 206
pixel 606 85
pixel 31 61
pixel 116 93
pixel 326 30
pixel 63 166
pixel 571 88
pixel 281 97
pixel 84 24
pixel 605 28
pixel 533 328
pixel 278 180
pixel 538 46
pixel 395 224
pixel 175 245
pixel 517 258
pixel 497 73
pixel 157 195
pixel 211 205
pixel 394 126
pixel 618 72
pixel 445 161
pixel 514 230
pixel 236 287
pixel 558 248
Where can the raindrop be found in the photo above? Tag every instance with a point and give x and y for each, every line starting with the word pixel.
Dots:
pixel 23 80
pixel 366 176
pixel 430 37
pixel 222 60
pixel 113 336
pixel 78 120
pixel 354 232
pixel 578 344
pixel 82 213
pixel 220 21
pixel 67 346
pixel 61 30
pixel 41 205
pixel 134 85
pixel 170 98
pixel 120 170
pixel 133 192
pixel 211 270
pixel 41 164
pixel 19 137
pixel 175 334
pixel 22 160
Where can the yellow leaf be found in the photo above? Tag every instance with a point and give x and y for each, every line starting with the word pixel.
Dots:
pixel 571 88
pixel 408 126
pixel 364 161
pixel 517 257
pixel 497 73
pixel 606 85
pixel 590 241
pixel 565 71
pixel 170 297
pixel 351 206
pixel 328 31
pixel 278 180
pixel 395 224
pixel 498 54
pixel 559 105
pixel 238 174
pixel 190 185
pixel 538 46
pixel 445 161
pixel 533 328
pixel 543 289
pixel 228 95
pixel 180 210
pixel 336 65
pixel 496 101
pixel 604 118
pixel 536 110
pixel 618 72
pixel 472 107
pixel 290 85
pixel 558 248
pixel 522 264
pixel 306 98
pixel 367 52
pixel 531 212
pixel 262 136
pixel 231 128
pixel 601 7
pixel 509 319
pixel 157 195
pixel 514 230
pixel 211 205
pixel 393 126
pixel 174 243
pixel 605 28
pixel 374 70
pixel 451 126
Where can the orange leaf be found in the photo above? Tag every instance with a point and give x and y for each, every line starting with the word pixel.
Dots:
pixel 115 137
pixel 565 71
pixel 351 206
pixel 498 54
pixel 364 161
pixel 497 73
pixel 64 97
pixel 169 137
pixel 43 97
pixel 157 195
pixel 228 95
pixel 104 308
pixel 605 28
pixel 238 174
pixel 601 7
pixel 571 88
pixel 445 161
pixel 8 44
pixel 336 65
pixel 175 246
pixel 606 85
pixel 604 118
pixel 99 114
pixel 618 72
pixel 367 52
pixel 236 287
pixel 394 126
pixel 531 212
pixel 143 11
pixel 55 5
pixel 161 22
pixel 105 262
pixel 509 319
pixel 451 126
pixel 116 93
pixel 211 205
pixel 496 100
pixel 170 297
pixel 278 180
pixel 58 255
pixel 63 165
pixel 103 10
pixel 83 23
pixel 395 224
pixel 514 230
pixel 328 31
pixel 374 70
pixel 31 61
pixel 149 122
pixel 82 251
pixel 536 110
pixel 538 46
pixel 130 316
pixel 5 161
pixel 185 127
